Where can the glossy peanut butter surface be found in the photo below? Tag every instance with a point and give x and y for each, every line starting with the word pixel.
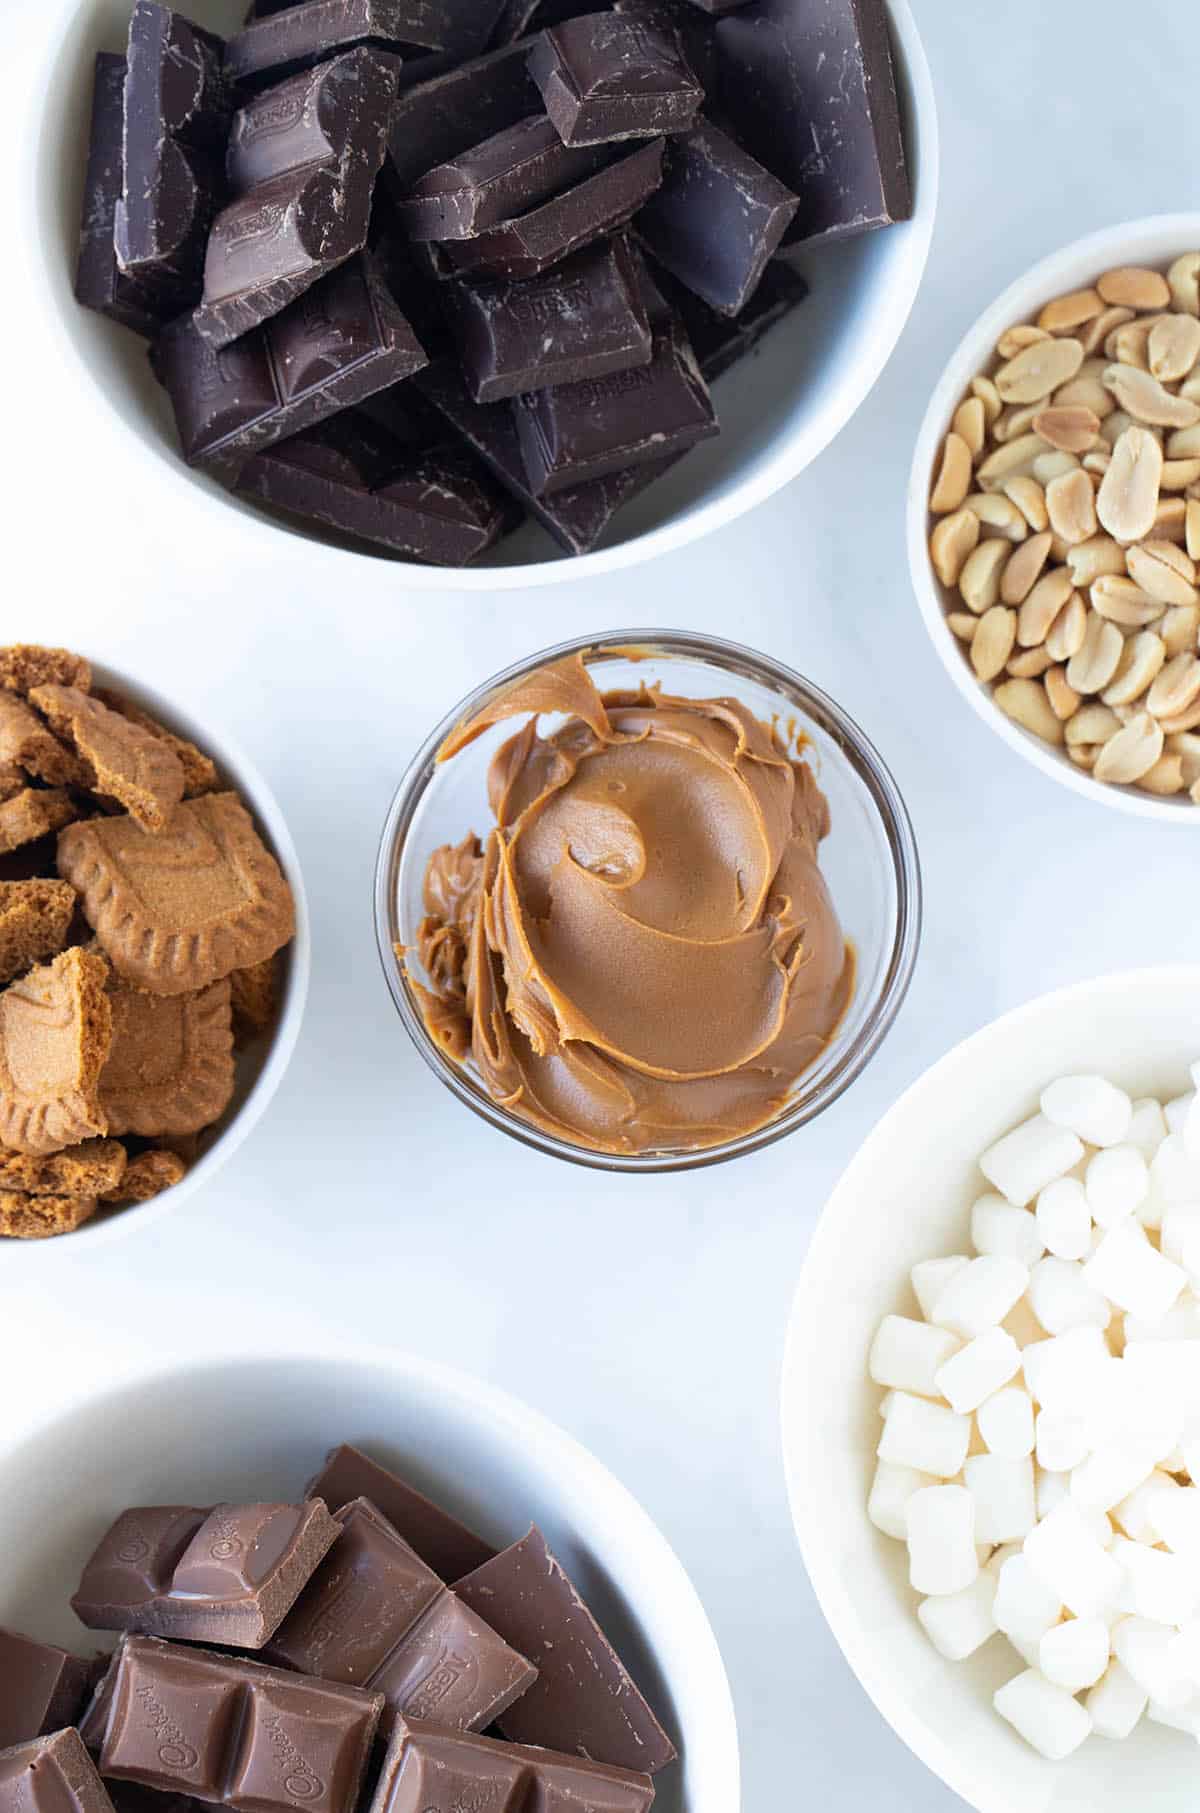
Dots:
pixel 643 954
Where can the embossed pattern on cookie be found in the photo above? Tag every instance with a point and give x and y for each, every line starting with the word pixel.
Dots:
pixel 55 1032
pixel 171 1065
pixel 125 761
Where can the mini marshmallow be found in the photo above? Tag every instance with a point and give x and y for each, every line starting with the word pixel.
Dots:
pixel 891 1489
pixel 1074 1655
pixel 977 1370
pixel 930 1278
pixel 1127 1269
pixel 1117 1180
pixel 958 1623
pixel 1157 1585
pixel 907 1355
pixel 1181 1323
pixel 1174 1512
pixel 1136 1514
pixel 1064 1220
pixel 1023 1608
pixel 1185 1651
pixel 1005 1505
pixel 1150 1654
pixel 1027 1159
pixel 1089 1106
pixel 1067 1558
pixel 997 1227
pixel 941 1540
pixel 1005 1421
pixel 1175 1112
pixel 1147 1127
pixel 1061 1298
pixel 1116 1702
pixel 1174 1173
pixel 1046 1716
pixel 1179 1718
pixel 1180 1221
pixel 1062 1440
pixel 1109 1475
pixel 1064 1373
pixel 980 1295
pixel 1050 1489
pixel 1189 1133
pixel 926 1436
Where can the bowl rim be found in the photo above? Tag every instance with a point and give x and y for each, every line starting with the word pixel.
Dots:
pixel 870 770
pixel 743 495
pixel 1059 270
pixel 475 1398
pixel 250 784
pixel 856 1645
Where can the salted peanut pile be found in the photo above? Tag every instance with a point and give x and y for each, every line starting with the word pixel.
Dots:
pixel 1065 526
pixel 140 919
pixel 1041 1442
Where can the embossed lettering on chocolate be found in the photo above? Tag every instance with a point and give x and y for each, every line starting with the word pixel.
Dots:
pixel 432 1771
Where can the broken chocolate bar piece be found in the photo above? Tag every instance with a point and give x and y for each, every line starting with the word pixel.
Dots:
pixel 582 431
pixel 582 319
pixel 442 1542
pixel 584 1698
pixel 234 1732
pixel 375 1615
pixel 51 1775
pixel 605 77
pixel 228 1576
pixel 461 28
pixel 177 107
pixel 341 340
pixel 42 1688
pixel 529 244
pixel 302 158
pixel 439 506
pixel 811 93
pixel 450 113
pixel 719 341
pixel 298 37
pixel 100 283
pixel 680 19
pixel 432 1771
pixel 508 174
pixel 521 18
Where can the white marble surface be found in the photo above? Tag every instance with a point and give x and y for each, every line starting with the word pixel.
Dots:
pixel 647 1316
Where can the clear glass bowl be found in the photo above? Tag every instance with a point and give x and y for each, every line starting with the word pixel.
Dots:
pixel 869 860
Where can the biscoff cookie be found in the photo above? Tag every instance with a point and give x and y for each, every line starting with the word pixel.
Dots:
pixel 92 1169
pixel 126 763
pixel 180 908
pixel 34 813
pixel 199 770
pixel 12 780
pixel 24 665
pixel 26 741
pixel 255 999
pixel 147 1175
pixel 35 917
pixel 170 1069
pixel 41 1217
pixel 55 1034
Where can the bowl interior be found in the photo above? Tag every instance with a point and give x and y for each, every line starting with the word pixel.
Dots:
pixel 259 1429
pixel 778 409
pixel 866 859
pixel 907 1196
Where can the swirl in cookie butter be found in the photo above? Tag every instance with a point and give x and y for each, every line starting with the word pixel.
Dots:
pixel 643 955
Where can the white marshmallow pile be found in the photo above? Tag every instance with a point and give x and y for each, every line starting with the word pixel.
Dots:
pixel 1040 1452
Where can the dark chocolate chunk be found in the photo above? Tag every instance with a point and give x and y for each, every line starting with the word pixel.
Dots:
pixel 41 1688
pixel 432 1771
pixel 303 159
pixel 177 108
pixel 691 28
pixel 520 18
pixel 576 432
pixel 577 518
pixel 719 341
pixel 531 243
pixel 716 7
pixel 375 1615
pixel 234 1732
pixel 228 1575
pixel 811 93
pixel 100 283
pixel 605 77
pixel 460 28
pixel 442 117
pixel 300 36
pixel 717 218
pixel 584 1699
pixel 442 1542
pixel 509 173
pixel 582 319
pixel 439 506
pixel 51 1775
pixel 333 346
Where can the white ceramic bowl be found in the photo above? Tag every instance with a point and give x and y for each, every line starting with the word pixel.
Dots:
pixel 906 1196
pixel 254 1427
pixel 778 410
pixel 261 1067
pixel 1154 242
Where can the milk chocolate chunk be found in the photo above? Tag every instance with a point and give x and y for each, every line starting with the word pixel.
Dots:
pixel 35 917
pixel 584 1699
pixel 431 1771
pixel 605 77
pixel 717 218
pixel 230 1575
pixel 449 113
pixel 442 1542
pixel 302 161
pixel 507 174
pixel 51 1775
pixel 333 346
pixel 170 1069
pixel 55 1033
pixel 811 93
pixel 100 283
pixel 532 242
pixel 577 432
pixel 582 319
pixel 126 763
pixel 177 107
pixel 233 1732
pixel 41 1688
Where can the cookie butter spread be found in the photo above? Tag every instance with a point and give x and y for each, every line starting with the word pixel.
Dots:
pixel 643 955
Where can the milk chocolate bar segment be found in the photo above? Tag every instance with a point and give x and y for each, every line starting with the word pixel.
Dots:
pixel 605 77
pixel 41 1688
pixel 100 283
pixel 443 1543
pixel 51 1775
pixel 506 175
pixel 431 1771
